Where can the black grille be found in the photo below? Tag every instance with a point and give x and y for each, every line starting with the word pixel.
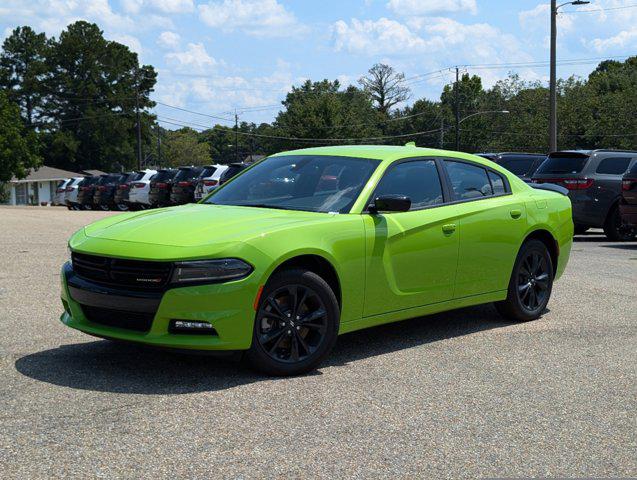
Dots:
pixel 136 274
pixel 140 322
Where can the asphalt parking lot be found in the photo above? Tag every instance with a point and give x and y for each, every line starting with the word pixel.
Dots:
pixel 460 394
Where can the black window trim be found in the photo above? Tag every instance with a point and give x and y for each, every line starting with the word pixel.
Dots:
pixel 448 195
pixel 507 185
pixel 443 185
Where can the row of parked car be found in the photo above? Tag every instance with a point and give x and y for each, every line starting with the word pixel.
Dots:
pixel 143 189
pixel 602 185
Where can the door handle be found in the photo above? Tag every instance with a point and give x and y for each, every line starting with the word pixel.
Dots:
pixel 516 213
pixel 449 228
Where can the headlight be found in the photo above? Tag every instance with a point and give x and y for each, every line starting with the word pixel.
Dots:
pixel 210 270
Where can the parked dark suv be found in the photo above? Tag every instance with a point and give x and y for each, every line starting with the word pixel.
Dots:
pixel 231 171
pixel 628 202
pixel 184 184
pixel 523 165
pixel 160 187
pixel 594 181
pixel 85 192
pixel 104 197
pixel 120 199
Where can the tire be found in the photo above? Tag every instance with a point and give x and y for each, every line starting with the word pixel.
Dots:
pixel 104 207
pixel 70 207
pixel 291 301
pixel 530 285
pixel 580 229
pixel 86 206
pixel 613 228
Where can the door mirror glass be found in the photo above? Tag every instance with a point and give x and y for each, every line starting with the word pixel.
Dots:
pixel 390 203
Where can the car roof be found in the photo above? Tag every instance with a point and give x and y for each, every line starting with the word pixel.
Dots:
pixel 384 153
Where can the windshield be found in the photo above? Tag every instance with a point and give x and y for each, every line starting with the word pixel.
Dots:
pixel 186 174
pixel 563 164
pixel 314 183
pixel 207 172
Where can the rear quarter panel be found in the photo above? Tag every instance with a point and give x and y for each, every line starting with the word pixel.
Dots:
pixel 552 212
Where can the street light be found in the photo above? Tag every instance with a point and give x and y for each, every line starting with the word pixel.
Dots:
pixel 462 120
pixel 553 81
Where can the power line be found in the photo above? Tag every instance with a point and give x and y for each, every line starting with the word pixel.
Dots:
pixel 192 111
pixel 302 139
pixel 600 9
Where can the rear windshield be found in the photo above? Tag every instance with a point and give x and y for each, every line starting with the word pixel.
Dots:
pixel 88 181
pixel 563 164
pixel 163 175
pixel 231 171
pixel 186 174
pixel 633 169
pixel 113 178
pixel 207 172
pixel 517 164
pixel 137 176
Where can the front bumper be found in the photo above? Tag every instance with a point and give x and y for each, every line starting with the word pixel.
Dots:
pixel 226 306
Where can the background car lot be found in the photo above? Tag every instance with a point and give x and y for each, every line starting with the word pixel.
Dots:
pixel 457 394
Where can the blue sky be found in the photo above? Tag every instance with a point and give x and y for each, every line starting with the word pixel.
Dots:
pixel 215 56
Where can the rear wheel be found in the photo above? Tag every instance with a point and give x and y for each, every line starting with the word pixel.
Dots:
pixel 104 207
pixel 615 230
pixel 530 284
pixel 122 207
pixel 87 206
pixel 296 324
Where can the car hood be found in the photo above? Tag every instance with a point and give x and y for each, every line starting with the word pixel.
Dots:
pixel 197 224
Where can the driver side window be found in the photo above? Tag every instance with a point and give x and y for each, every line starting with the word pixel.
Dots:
pixel 416 179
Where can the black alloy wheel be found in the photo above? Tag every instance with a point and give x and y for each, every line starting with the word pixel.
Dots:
pixel 291 323
pixel 296 323
pixel 615 230
pixel 533 281
pixel 530 283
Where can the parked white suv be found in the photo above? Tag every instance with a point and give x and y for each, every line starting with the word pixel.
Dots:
pixel 70 193
pixel 208 180
pixel 60 190
pixel 138 191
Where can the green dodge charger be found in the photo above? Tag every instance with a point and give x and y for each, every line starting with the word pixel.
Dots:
pixel 312 243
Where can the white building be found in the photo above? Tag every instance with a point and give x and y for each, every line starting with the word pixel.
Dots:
pixel 38 187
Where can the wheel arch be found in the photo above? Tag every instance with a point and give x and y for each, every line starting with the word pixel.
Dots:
pixel 316 263
pixel 548 239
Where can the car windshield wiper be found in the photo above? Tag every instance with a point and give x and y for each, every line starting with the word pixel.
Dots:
pixel 262 205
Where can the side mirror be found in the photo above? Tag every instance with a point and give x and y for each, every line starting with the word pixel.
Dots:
pixel 390 203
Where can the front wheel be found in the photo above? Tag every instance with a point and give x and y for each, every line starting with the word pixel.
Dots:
pixel 296 324
pixel 530 284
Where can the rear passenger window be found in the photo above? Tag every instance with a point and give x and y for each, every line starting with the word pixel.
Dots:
pixel 418 180
pixel 613 166
pixel 468 181
pixel 497 182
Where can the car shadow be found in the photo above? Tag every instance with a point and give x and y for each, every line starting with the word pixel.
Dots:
pixel 129 368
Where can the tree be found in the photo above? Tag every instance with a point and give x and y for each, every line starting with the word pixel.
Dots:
pixel 23 69
pixel 385 86
pixel 182 147
pixel 95 85
pixel 321 110
pixel 18 145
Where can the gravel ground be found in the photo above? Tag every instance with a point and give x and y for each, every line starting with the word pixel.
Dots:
pixel 461 394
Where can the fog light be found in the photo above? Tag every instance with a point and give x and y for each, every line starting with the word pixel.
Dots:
pixel 191 327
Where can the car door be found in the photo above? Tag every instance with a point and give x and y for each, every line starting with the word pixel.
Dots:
pixel 492 224
pixel 606 188
pixel 411 256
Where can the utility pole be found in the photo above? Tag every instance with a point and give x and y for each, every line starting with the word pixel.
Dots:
pixel 139 122
pixel 442 132
pixel 236 136
pixel 158 146
pixel 456 107
pixel 553 81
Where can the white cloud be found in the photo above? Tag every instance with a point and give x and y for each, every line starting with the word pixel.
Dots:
pixel 538 18
pixel 371 37
pixel 625 38
pixel 254 17
pixel 194 56
pixel 421 7
pixel 166 6
pixel 168 39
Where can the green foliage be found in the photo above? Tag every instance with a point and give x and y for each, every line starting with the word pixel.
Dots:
pixel 18 145
pixel 182 147
pixel 23 69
